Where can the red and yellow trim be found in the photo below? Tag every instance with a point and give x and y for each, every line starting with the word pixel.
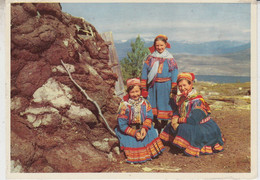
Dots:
pixel 123 116
pixel 164 114
pixel 155 111
pixel 143 83
pixel 130 131
pixel 142 154
pixel 174 85
pixel 166 137
pixel 167 115
pixel 182 120
pixel 191 150
pixel 205 120
pixel 206 150
pixel 218 147
pixel 147 123
pixel 175 116
pixel 162 79
pixel 181 142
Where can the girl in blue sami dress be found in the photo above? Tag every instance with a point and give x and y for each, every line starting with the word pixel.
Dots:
pixel 159 75
pixel 192 128
pixel 138 138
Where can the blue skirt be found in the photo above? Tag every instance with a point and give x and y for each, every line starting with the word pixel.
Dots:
pixel 195 139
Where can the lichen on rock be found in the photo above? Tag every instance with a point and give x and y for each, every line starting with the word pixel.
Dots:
pixel 54 93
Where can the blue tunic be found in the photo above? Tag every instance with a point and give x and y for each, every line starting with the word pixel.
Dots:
pixel 162 84
pixel 197 133
pixel 137 151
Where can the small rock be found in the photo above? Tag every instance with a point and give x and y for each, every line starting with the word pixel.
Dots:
pixel 111 158
pixel 116 150
pixel 42 116
pixel 202 92
pixel 214 93
pixel 102 146
pixel 61 69
pixel 147 169
pixel 78 113
pixel 16 167
pixel 240 102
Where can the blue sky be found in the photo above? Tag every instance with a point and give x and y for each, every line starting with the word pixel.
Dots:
pixel 189 22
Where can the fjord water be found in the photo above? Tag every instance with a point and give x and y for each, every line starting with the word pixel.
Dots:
pixel 223 79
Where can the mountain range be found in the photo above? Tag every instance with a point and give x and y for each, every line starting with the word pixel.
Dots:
pixel 204 48
pixel 216 58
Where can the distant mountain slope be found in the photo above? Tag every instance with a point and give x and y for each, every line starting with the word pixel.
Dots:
pixel 209 48
pixel 232 64
pixel 243 55
pixel 206 48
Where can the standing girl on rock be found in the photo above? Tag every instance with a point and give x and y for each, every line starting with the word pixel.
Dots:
pixel 138 138
pixel 192 128
pixel 159 77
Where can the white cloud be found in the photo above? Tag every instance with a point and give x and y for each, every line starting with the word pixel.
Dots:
pixel 184 31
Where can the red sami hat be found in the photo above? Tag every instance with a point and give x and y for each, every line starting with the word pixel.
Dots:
pixel 133 81
pixel 186 75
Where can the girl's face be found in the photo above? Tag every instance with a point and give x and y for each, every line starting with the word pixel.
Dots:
pixel 160 46
pixel 185 87
pixel 135 93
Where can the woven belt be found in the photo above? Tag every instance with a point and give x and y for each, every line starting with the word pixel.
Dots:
pixel 162 79
pixel 136 126
pixel 205 120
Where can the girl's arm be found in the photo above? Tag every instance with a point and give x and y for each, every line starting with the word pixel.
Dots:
pixel 174 74
pixel 144 76
pixel 123 120
pixel 196 114
pixel 149 117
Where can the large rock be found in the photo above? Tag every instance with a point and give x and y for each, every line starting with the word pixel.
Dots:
pixel 54 127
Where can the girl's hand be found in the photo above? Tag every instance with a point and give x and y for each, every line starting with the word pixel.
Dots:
pixel 138 136
pixel 174 122
pixel 175 126
pixel 143 133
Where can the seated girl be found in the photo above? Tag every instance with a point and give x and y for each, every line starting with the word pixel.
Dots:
pixel 138 138
pixel 192 128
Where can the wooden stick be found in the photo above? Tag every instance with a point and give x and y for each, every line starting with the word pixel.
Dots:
pixel 88 98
